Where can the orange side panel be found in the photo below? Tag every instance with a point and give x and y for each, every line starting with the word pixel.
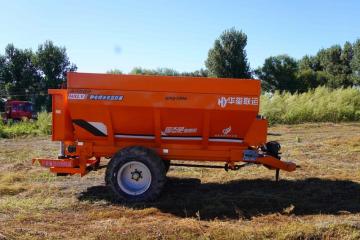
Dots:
pixel 257 133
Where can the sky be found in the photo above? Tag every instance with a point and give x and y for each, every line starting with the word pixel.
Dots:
pixel 103 35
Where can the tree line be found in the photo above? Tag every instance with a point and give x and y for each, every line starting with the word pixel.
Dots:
pixel 26 75
pixel 162 72
pixel 334 67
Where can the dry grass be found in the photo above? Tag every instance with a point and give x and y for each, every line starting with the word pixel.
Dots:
pixel 321 200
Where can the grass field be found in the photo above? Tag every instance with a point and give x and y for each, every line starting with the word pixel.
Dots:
pixel 321 200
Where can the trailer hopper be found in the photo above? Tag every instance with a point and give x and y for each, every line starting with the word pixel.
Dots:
pixel 144 122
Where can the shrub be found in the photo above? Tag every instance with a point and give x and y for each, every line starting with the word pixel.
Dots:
pixel 319 105
pixel 43 123
pixel 41 126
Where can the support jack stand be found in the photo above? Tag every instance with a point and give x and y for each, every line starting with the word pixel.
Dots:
pixel 277 175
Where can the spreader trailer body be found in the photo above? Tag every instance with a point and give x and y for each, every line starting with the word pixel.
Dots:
pixel 144 122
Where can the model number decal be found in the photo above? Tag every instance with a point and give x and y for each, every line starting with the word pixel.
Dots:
pixel 224 101
pixel 169 130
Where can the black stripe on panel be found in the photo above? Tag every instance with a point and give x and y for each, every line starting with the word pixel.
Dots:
pixel 88 127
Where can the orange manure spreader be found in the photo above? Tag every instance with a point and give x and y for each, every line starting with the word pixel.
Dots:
pixel 144 122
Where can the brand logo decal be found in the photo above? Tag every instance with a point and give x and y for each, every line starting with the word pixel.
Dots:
pixel 224 101
pixel 226 131
pixel 77 96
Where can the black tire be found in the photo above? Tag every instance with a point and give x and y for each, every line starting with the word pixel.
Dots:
pixel 166 165
pixel 273 149
pixel 139 155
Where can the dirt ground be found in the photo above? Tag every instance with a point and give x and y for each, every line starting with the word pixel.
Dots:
pixel 321 200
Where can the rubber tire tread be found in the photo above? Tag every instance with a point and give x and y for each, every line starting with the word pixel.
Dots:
pixel 166 165
pixel 147 157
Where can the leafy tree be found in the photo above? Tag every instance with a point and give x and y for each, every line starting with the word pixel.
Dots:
pixel 228 56
pixel 158 71
pixel 355 62
pixel 168 72
pixel 19 77
pixel 53 64
pixel 335 61
pixel 310 79
pixel 330 59
pixel 279 73
pixel 307 78
pixel 310 73
pixel 26 75
pixel 2 79
pixel 309 62
pixel 346 57
pixel 115 71
pixel 333 65
pixel 2 83
pixel 305 63
pixel 322 77
pixel 197 73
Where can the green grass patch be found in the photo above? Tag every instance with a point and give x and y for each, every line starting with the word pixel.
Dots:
pixel 11 183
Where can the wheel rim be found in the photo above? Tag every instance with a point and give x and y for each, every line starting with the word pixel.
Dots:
pixel 134 178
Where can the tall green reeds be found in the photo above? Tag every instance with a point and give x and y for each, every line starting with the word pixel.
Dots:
pixel 319 105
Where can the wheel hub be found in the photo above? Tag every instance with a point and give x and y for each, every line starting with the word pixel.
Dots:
pixel 136 175
pixel 134 178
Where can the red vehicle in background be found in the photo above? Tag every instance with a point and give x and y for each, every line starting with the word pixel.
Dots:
pixel 18 110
